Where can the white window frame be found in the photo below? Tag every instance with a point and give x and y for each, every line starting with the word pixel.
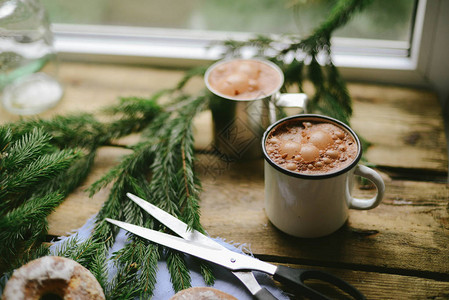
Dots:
pixel 186 48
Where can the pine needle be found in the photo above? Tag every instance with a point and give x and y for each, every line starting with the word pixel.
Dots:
pixel 179 273
pixel 42 161
pixel 43 168
pixel 26 149
pixel 24 228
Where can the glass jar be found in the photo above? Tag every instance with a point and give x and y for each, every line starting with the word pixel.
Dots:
pixel 28 61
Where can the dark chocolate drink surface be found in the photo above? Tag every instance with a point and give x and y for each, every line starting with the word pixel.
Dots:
pixel 244 79
pixel 311 147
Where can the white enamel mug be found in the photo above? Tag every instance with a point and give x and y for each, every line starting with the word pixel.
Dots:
pixel 310 206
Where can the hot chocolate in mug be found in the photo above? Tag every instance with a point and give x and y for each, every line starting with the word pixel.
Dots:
pixel 246 100
pixel 310 165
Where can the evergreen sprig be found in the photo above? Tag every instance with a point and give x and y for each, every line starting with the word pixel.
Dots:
pixel 24 228
pixel 42 161
pixel 23 210
pixel 167 152
pixel 310 58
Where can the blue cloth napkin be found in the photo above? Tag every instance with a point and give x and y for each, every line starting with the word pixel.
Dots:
pixel 225 280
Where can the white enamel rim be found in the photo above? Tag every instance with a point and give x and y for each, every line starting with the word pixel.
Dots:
pixel 314 118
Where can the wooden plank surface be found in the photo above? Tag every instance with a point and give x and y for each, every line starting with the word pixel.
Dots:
pixel 376 285
pixel 404 125
pixel 395 251
pixel 413 228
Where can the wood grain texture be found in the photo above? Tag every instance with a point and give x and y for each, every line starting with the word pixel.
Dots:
pixel 376 285
pixel 395 251
pixel 405 126
pixel 410 233
pixel 89 87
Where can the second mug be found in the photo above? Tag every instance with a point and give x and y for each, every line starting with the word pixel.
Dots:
pixel 246 100
pixel 310 165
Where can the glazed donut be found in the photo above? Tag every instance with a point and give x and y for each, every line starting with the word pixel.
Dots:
pixel 202 293
pixel 52 277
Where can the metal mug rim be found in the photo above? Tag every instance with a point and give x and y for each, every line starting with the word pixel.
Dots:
pixel 226 60
pixel 312 176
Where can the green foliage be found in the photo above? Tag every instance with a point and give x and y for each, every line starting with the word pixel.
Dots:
pixel 24 228
pixel 42 161
pixel 179 272
pixel 166 150
pixel 310 56
pixel 27 162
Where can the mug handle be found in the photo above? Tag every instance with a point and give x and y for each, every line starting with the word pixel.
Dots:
pixel 293 100
pixel 288 100
pixel 374 177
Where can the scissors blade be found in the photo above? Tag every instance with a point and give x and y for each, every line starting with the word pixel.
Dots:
pixel 221 256
pixel 180 228
pixel 176 225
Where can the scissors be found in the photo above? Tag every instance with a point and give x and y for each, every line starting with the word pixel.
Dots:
pixel 199 245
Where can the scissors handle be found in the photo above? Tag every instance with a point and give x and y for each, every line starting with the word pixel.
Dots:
pixel 296 278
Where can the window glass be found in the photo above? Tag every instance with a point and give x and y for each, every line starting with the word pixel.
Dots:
pixel 382 19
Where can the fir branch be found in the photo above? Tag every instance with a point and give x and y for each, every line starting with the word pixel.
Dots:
pixel 189 199
pixel 191 73
pixel 89 253
pixel 125 175
pixel 340 15
pixel 136 108
pixel 319 40
pixel 179 194
pixel 116 207
pixel 85 131
pixel 179 273
pixel 337 87
pixel 45 171
pixel 207 272
pixel 136 255
pixel 5 139
pixel 168 154
pixel 316 75
pixel 331 95
pixel 131 212
pixel 145 257
pixel 99 267
pixel 84 251
pixel 24 228
pixel 68 246
pixel 68 180
pixel 29 164
pixel 30 176
pixel 293 73
pixel 169 159
pixel 149 269
pixel 81 130
pixel 135 163
pixel 17 262
pixel 124 283
pixel 111 209
pixel 40 251
pixel 51 164
pixel 135 114
pixel 24 150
